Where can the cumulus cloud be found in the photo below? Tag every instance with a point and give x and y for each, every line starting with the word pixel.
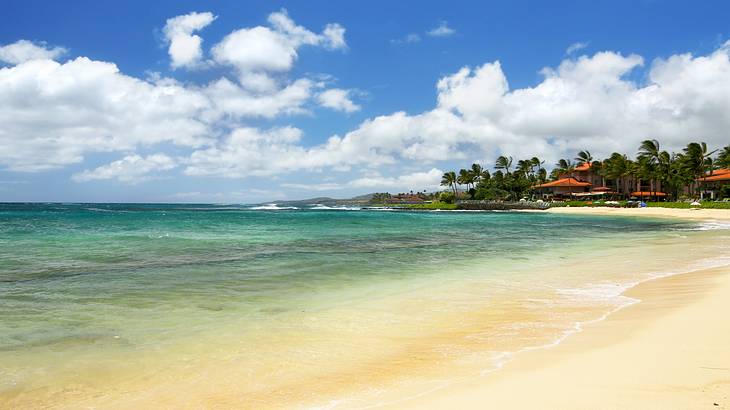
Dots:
pixel 24 50
pixel 185 47
pixel 587 102
pixel 338 100
pixel 53 114
pixel 260 50
pixel 228 99
pixel 130 169
pixel 442 30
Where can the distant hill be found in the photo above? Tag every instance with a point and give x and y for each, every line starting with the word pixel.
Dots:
pixel 358 200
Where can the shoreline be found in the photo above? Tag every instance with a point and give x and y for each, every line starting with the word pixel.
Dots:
pixel 629 358
pixel 722 215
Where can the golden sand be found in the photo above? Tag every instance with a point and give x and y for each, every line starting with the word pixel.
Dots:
pixel 691 214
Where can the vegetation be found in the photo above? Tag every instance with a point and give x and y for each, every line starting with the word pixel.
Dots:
pixel 652 170
pixel 428 206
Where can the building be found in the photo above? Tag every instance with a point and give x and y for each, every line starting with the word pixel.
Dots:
pixel 714 183
pixel 563 188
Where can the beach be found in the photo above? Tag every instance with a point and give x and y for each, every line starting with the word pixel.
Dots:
pixel 670 350
pixel 684 214
pixel 148 306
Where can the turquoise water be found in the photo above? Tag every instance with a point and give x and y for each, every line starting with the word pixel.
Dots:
pixel 84 284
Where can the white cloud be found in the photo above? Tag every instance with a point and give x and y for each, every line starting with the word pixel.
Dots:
pixel 251 152
pixel 256 51
pixel 230 100
pixel 185 47
pixel 442 30
pixel 24 50
pixel 577 46
pixel 417 181
pixel 53 114
pixel 584 103
pixel 338 100
pixel 130 169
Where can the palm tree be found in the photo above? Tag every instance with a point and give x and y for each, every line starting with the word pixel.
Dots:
pixel 524 166
pixel 723 158
pixel 565 166
pixel 697 161
pixel 584 157
pixel 477 172
pixel 617 168
pixel 599 168
pixel 650 155
pixel 540 170
pixel 449 179
pixel 465 178
pixel 503 163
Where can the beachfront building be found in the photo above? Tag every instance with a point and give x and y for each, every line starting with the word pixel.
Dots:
pixel 715 185
pixel 601 188
pixel 583 182
pixel 563 188
pixel 584 172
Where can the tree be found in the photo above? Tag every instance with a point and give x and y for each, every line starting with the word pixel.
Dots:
pixel 584 157
pixel 466 177
pixel 524 167
pixel 617 168
pixel 540 170
pixel 503 163
pixel 697 161
pixel 650 156
pixel 723 158
pixel 565 166
pixel 478 172
pixel 449 179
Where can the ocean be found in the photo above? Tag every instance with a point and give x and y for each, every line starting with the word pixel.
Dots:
pixel 140 305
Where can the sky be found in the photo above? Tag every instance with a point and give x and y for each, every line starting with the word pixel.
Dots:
pixel 254 101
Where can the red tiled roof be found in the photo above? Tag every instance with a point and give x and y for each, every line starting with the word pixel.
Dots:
pixel 717 175
pixel 601 189
pixel 583 167
pixel 563 182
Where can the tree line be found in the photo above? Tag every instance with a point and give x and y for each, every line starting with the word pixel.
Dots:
pixel 674 173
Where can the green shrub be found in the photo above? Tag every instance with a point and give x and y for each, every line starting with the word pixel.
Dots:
pixel 447 197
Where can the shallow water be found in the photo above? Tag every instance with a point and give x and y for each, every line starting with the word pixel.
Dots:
pixel 213 305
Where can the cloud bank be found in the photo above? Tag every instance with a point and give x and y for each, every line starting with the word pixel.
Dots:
pixel 235 126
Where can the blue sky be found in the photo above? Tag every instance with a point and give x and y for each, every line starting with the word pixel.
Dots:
pixel 67 137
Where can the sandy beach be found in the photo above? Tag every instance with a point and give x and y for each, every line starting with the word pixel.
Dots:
pixel 691 214
pixel 671 350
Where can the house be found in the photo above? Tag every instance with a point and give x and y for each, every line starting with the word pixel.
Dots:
pixel 563 187
pixel 584 172
pixel 712 183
